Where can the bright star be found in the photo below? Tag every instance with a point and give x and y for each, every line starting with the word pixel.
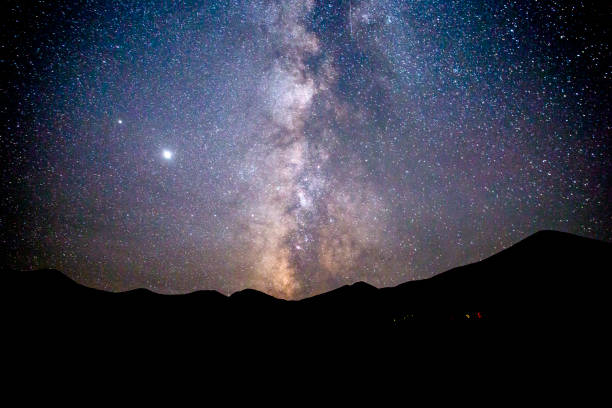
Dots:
pixel 167 154
pixel 119 121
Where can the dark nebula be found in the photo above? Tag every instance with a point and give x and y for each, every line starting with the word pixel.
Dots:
pixel 296 146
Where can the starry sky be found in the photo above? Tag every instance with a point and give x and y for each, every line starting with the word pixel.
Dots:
pixel 297 146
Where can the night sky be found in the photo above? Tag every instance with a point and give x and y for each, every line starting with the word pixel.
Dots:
pixel 297 146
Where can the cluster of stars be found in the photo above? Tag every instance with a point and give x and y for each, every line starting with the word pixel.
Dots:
pixel 296 146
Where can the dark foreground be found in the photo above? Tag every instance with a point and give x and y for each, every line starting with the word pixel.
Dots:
pixel 548 277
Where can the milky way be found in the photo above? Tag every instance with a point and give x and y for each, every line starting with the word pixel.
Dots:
pixel 296 146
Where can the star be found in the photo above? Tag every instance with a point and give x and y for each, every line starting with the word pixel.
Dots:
pixel 167 154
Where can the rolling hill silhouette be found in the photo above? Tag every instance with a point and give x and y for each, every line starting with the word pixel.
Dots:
pixel 549 276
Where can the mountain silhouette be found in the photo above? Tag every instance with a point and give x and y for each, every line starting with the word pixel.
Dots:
pixel 548 277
